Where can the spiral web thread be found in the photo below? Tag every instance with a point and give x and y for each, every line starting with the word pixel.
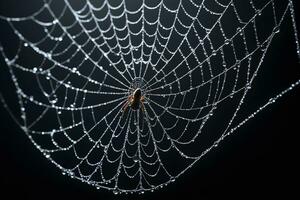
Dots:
pixel 189 57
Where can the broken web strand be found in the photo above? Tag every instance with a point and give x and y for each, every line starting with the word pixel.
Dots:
pixel 142 126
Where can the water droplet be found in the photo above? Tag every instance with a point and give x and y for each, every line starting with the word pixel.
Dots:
pixel 53 99
pixel 116 191
pixel 277 29
pixel 24 128
pixel 258 12
pixel 136 159
pixel 264 46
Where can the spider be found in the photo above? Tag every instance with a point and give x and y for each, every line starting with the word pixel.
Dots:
pixel 135 101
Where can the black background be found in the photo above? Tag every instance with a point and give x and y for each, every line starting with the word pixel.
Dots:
pixel 257 161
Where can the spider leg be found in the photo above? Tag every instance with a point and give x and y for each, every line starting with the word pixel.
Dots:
pixel 142 106
pixel 126 104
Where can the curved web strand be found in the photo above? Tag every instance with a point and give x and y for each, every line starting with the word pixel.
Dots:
pixel 192 60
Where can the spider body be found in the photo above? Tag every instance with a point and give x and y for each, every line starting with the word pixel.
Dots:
pixel 136 98
pixel 135 101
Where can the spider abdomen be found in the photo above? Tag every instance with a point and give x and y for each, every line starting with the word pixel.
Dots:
pixel 135 102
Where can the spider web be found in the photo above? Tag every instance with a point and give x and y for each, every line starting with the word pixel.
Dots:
pixel 194 60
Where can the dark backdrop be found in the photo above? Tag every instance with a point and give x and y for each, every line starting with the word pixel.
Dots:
pixel 259 160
